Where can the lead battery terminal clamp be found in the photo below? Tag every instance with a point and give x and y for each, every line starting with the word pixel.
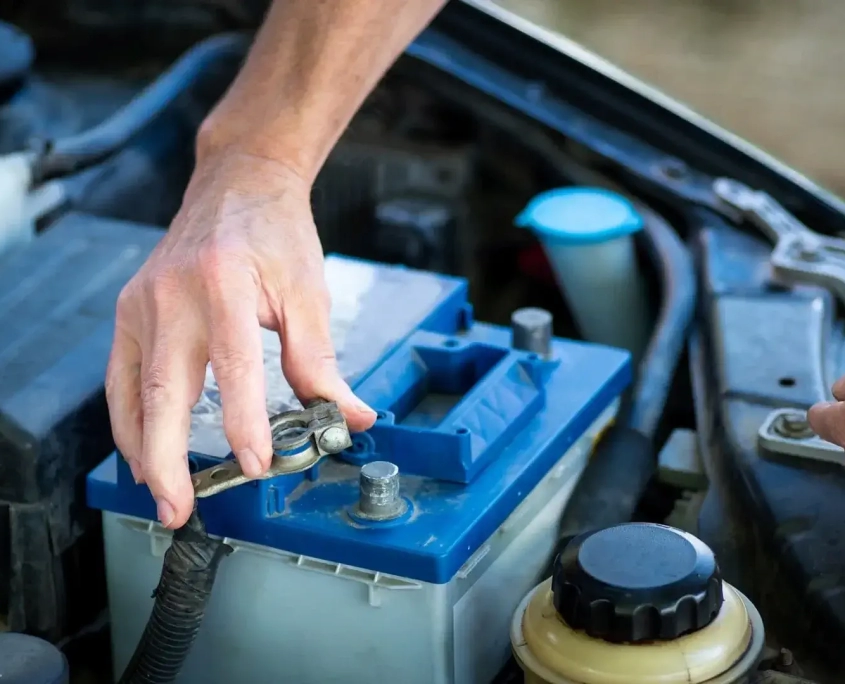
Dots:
pixel 301 438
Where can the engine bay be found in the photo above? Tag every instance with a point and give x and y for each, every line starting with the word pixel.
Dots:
pixel 434 199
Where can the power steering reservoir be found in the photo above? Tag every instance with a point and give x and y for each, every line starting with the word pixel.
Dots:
pixel 636 604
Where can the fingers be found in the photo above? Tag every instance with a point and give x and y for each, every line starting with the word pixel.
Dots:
pixel 828 421
pixel 828 418
pixel 308 357
pixel 172 376
pixel 839 389
pixel 237 359
pixel 123 394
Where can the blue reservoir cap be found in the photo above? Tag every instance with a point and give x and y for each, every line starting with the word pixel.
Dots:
pixel 579 216
pixel 27 659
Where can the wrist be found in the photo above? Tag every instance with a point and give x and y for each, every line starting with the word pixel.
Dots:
pixel 231 171
pixel 234 137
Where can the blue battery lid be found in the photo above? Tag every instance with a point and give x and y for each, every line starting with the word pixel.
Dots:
pixel 472 424
pixel 579 216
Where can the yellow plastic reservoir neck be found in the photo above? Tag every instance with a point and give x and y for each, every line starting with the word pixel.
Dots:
pixel 550 652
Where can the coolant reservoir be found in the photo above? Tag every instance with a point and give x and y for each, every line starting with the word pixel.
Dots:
pixel 26 659
pixel 587 234
pixel 636 604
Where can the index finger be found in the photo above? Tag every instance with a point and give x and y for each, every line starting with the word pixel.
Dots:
pixel 237 360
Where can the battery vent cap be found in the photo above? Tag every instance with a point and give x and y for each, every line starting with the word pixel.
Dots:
pixel 637 582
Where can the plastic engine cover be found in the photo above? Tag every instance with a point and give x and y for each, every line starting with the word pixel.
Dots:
pixel 57 301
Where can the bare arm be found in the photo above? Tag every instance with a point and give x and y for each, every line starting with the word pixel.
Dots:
pixel 243 252
pixel 312 65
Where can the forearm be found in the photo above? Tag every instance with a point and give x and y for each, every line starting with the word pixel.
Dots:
pixel 312 65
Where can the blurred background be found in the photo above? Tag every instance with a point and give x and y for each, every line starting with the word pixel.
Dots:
pixel 768 70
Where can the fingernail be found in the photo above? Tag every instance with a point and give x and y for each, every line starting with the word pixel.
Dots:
pixel 250 464
pixel 165 512
pixel 362 407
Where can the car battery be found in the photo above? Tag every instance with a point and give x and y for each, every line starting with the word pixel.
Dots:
pixel 482 434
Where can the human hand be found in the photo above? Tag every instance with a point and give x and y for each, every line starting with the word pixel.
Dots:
pixel 828 418
pixel 242 253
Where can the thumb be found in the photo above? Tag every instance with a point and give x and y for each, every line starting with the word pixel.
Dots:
pixel 309 362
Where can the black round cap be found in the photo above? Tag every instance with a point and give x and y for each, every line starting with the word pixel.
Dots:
pixel 637 582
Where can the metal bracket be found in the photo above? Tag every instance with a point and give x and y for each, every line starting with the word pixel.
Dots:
pixel 800 255
pixel 301 438
pixel 787 432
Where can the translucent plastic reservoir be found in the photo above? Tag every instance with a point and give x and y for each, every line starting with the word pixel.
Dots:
pixel 587 234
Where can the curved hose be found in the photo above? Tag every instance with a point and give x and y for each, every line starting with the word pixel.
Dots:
pixel 84 149
pixel 187 578
pixel 677 310
pixel 617 475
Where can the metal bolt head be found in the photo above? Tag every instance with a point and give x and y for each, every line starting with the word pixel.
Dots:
pixel 793 425
pixel 674 169
pixel 532 330
pixel 334 440
pixel 808 250
pixel 379 491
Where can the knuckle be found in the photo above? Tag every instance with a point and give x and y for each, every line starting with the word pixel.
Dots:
pixel 125 303
pixel 230 363
pixel 307 296
pixel 214 262
pixel 324 355
pixel 164 286
pixel 154 392
pixel 225 271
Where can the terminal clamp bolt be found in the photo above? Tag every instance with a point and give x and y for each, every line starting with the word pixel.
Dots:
pixel 334 440
pixel 379 492
pixel 532 330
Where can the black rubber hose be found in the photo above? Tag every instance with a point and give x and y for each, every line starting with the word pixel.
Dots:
pixel 187 578
pixel 89 147
pixel 624 462
pixel 677 311
pixel 612 483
